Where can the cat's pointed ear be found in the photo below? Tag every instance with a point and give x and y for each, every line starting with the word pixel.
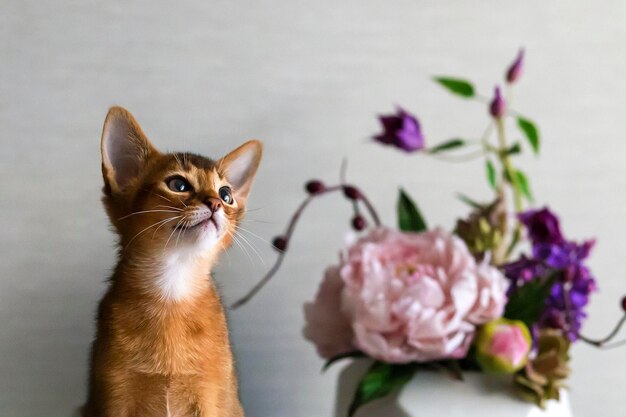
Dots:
pixel 125 149
pixel 240 167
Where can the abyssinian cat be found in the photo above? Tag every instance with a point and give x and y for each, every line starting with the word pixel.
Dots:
pixel 162 346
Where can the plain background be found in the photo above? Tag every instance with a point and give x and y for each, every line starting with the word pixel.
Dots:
pixel 308 78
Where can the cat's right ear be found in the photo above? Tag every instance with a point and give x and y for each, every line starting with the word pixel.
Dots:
pixel 125 150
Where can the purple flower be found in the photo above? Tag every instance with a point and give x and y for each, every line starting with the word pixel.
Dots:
pixel 553 255
pixel 401 130
pixel 563 254
pixel 515 70
pixel 565 306
pixel 542 226
pixel 523 271
pixel 497 108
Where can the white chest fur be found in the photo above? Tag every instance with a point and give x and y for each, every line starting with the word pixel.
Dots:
pixel 180 276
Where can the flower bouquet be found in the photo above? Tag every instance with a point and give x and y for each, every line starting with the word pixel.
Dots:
pixel 503 292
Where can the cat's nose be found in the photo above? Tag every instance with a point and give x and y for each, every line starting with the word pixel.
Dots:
pixel 213 203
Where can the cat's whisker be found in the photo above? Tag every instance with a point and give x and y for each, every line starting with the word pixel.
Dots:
pixel 243 248
pixel 173 231
pixel 149 227
pixel 257 221
pixel 163 224
pixel 160 196
pixel 241 229
pixel 253 247
pixel 254 209
pixel 146 211
pixel 183 227
pixel 170 207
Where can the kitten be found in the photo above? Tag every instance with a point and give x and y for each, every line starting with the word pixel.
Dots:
pixel 162 346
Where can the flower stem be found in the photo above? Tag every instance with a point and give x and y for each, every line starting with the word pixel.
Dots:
pixel 508 176
pixel 507 166
pixel 603 343
pixel 599 343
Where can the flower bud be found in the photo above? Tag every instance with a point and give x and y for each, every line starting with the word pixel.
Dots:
pixel 359 223
pixel 351 192
pixel 515 70
pixel 401 130
pixel 502 346
pixel 315 187
pixel 624 303
pixel 497 108
pixel 280 243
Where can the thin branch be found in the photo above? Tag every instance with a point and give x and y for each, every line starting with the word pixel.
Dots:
pixel 291 228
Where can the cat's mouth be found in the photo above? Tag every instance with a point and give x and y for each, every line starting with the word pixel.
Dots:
pixel 198 225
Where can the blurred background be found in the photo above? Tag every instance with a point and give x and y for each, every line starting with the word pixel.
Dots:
pixel 307 78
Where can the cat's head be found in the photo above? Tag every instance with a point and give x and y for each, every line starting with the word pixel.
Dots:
pixel 172 201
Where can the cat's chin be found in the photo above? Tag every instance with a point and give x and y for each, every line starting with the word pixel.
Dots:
pixel 198 240
pixel 203 237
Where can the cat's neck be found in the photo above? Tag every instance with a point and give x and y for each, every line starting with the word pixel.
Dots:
pixel 176 275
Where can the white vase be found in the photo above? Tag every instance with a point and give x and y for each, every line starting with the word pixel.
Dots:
pixel 435 394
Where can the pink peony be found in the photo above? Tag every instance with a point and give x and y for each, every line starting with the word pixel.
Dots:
pixel 402 297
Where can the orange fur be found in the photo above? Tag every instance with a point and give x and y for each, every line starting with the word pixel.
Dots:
pixel 162 346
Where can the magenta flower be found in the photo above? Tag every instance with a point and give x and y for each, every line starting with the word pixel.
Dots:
pixel 497 107
pixel 401 130
pixel 403 297
pixel 515 70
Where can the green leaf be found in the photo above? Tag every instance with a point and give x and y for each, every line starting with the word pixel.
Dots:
pixel 352 354
pixel 491 174
pixel 446 146
pixel 456 86
pixel 527 302
pixel 531 132
pixel 409 217
pixel 470 202
pixel 381 380
pixel 522 182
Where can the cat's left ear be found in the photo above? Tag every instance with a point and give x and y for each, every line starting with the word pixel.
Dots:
pixel 240 167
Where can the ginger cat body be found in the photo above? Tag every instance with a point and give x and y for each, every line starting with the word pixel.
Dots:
pixel 162 346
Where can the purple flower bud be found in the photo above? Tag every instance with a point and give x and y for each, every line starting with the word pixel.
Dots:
pixel 401 130
pixel 497 108
pixel 314 187
pixel 624 303
pixel 515 70
pixel 351 193
pixel 280 243
pixel 359 223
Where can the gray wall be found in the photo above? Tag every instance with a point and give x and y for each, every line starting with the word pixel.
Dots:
pixel 308 79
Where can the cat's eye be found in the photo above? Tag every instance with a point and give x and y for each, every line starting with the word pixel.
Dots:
pixel 178 184
pixel 226 195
